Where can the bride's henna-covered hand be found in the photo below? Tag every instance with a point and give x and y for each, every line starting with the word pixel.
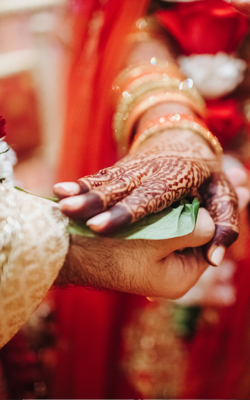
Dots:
pixel 169 166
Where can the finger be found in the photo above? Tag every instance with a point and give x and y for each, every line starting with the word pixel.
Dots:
pixel 203 232
pixel 151 192
pixel 85 184
pixel 103 177
pixel 98 200
pixel 174 275
pixel 220 199
pixel 172 181
pixel 65 189
pixel 183 271
pixel 151 196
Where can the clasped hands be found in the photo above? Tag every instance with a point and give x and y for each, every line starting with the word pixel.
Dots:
pixel 169 166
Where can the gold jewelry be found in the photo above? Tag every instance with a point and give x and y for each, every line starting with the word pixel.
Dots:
pixel 145 71
pixel 153 88
pixel 152 100
pixel 176 121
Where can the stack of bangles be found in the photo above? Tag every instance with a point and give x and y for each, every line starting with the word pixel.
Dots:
pixel 140 87
pixel 175 121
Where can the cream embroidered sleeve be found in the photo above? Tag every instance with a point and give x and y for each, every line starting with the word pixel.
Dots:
pixel 33 246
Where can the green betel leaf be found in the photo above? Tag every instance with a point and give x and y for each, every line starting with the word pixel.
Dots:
pixel 54 199
pixel 177 220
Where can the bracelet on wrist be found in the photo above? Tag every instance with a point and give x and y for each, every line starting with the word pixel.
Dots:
pixel 176 121
pixel 141 87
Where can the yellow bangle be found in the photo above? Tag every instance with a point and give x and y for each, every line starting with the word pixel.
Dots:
pixel 176 121
pixel 148 93
pixel 146 71
pixel 152 100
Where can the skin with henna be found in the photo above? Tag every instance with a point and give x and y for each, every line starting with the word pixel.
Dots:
pixel 170 166
pixel 166 167
pixel 148 268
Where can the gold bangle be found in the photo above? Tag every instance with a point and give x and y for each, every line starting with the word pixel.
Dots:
pixel 152 100
pixel 176 121
pixel 142 89
pixel 141 70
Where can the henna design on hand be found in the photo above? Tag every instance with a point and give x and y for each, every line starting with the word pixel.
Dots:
pixel 168 167
pixel 221 201
pixel 173 179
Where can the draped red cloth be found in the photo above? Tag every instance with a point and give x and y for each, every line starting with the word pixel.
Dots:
pixel 89 322
pixel 88 143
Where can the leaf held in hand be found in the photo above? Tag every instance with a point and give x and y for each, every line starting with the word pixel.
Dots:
pixel 177 220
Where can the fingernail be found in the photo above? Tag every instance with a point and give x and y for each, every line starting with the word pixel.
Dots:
pixel 72 203
pixel 99 221
pixel 70 188
pixel 217 255
pixel 111 221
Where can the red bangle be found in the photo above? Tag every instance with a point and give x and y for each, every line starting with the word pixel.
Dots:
pixel 176 121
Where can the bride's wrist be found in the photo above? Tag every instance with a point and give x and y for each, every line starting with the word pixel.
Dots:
pixel 162 109
pixel 171 129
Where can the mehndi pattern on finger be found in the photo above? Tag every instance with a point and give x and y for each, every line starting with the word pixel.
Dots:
pixel 167 170
pixel 221 201
pixel 174 180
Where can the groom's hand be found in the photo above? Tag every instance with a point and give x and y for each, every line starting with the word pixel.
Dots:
pixel 148 268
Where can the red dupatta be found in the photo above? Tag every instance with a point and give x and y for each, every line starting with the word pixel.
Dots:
pixel 89 322
pixel 99 34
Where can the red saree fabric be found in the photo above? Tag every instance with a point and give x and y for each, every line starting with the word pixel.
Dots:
pixel 89 322
pixel 88 144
